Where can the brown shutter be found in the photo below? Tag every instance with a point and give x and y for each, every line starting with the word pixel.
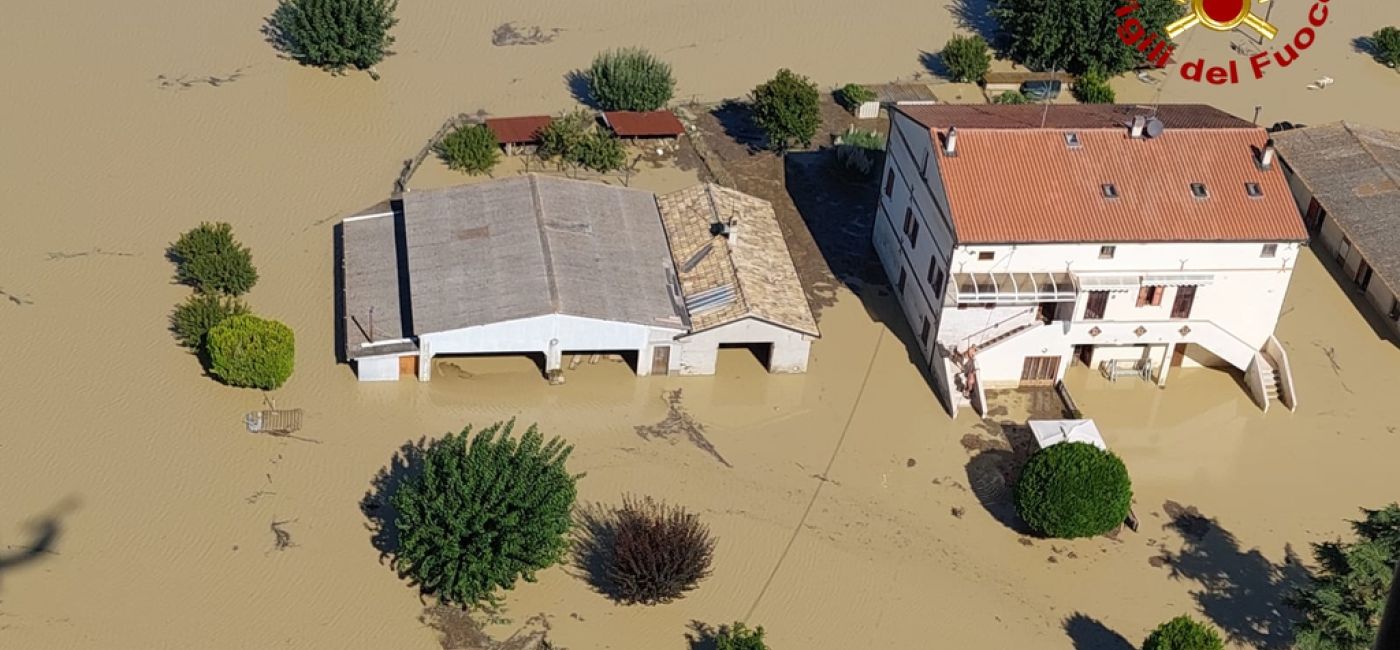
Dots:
pixel 1143 296
pixel 1157 295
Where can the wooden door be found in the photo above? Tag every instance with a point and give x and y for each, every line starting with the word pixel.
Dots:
pixel 1096 304
pixel 1178 355
pixel 408 365
pixel 1185 298
pixel 1039 371
pixel 661 360
pixel 1315 216
pixel 1363 275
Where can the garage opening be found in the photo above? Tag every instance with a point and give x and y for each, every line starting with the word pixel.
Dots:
pixel 741 357
pixel 473 366
pixel 576 358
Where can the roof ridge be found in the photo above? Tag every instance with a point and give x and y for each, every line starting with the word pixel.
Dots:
pixel 1374 158
pixel 544 243
pixel 739 292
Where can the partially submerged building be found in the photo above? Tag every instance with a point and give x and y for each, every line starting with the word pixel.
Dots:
pixel 548 266
pixel 1020 240
pixel 1346 180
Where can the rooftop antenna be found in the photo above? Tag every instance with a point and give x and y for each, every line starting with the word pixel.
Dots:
pixel 371 323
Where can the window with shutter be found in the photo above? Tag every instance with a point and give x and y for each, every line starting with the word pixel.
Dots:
pixel 889 184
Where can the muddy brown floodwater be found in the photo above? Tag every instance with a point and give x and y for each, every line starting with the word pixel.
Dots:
pixel 135 511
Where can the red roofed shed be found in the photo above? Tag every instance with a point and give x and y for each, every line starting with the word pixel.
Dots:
pixel 649 124
pixel 513 131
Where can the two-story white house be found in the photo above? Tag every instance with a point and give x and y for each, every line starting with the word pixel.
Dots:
pixel 1021 239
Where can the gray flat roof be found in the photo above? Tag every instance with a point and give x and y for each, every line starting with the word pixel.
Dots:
pixel 371 274
pixel 1354 173
pixel 534 245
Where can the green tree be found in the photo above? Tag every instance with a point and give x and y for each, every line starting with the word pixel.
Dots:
pixel 1385 46
pixel 740 637
pixel 486 510
pixel 192 319
pixel 471 148
pixel 786 108
pixel 1077 35
pixel 1183 633
pixel 211 260
pixel 1073 489
pixel 1011 97
pixel 599 151
pixel 630 79
pixel 967 58
pixel 1342 607
pixel 251 352
pixel 1093 88
pixel 334 34
pixel 851 96
pixel 562 137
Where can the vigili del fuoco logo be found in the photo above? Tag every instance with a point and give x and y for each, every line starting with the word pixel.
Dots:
pixel 1221 16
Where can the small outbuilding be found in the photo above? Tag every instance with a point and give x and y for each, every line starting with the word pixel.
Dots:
pixel 514 132
pixel 643 124
pixel 737 279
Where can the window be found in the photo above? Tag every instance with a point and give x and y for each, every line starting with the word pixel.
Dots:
pixel 1198 190
pixel 923 331
pixel 1110 191
pixel 1185 298
pixel 911 227
pixel 889 184
pixel 936 279
pixel 1150 296
pixel 908 219
pixel 1096 305
pixel 1106 252
pixel 986 255
pixel 1395 309
pixel 1072 140
pixel 914 234
pixel 1269 250
pixel 1343 250
pixel 1253 190
pixel 924 168
pixel 903 279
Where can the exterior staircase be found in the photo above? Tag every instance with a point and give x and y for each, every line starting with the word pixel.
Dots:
pixel 1273 383
pixel 1006 335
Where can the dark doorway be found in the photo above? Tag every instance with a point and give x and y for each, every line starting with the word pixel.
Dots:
pixel 1046 311
pixel 1363 275
pixel 1084 354
pixel 763 352
pixel 1185 299
pixel 1314 217
pixel 1096 305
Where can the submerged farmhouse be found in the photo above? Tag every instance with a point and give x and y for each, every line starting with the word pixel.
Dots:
pixel 1346 179
pixel 1021 240
pixel 548 266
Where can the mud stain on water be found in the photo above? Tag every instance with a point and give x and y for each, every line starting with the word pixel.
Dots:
pixel 679 424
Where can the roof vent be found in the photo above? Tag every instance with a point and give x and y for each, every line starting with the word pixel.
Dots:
pixel 950 142
pixel 1198 190
pixel 1139 125
pixel 1253 190
pixel 1110 191
pixel 1154 127
pixel 1072 140
pixel 1266 157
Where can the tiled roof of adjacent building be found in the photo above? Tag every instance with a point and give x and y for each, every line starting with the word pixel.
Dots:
pixel 1354 173
pixel 747 275
pixel 518 130
pixel 644 124
pixel 1082 178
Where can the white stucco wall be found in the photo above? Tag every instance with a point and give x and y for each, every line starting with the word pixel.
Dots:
pixel 697 354
pixel 377 368
pixel 574 333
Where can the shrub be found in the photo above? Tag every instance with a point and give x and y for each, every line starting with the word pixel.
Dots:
pixel 659 552
pixel 563 135
pixel 192 319
pixel 856 148
pixel 486 510
pixel 1385 44
pixel 1093 88
pixel 851 96
pixel 334 34
pixel 1011 97
pixel 1076 35
pixel 786 108
pixel 863 139
pixel 630 79
pixel 472 149
pixel 967 58
pixel 1073 489
pixel 211 260
pixel 250 352
pixel 740 637
pixel 599 151
pixel 1342 606
pixel 1183 633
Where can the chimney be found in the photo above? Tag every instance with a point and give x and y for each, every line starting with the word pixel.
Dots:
pixel 950 143
pixel 1139 125
pixel 1266 157
pixel 731 232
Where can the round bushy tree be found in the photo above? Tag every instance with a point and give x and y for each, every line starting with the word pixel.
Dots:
pixel 334 34
pixel 211 260
pixel 658 553
pixel 740 637
pixel 786 108
pixel 1011 97
pixel 599 151
pixel 851 96
pixel 192 319
pixel 471 148
pixel 1183 633
pixel 563 136
pixel 630 79
pixel 251 352
pixel 1073 489
pixel 967 58
pixel 486 510
pixel 1385 46
pixel 1093 88
pixel 1076 35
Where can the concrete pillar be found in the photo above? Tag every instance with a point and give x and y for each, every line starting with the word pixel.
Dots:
pixel 1166 365
pixel 789 355
pixel 425 365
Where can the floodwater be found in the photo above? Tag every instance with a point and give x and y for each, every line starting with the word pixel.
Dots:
pixel 137 512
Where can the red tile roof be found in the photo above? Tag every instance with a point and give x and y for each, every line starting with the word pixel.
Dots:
pixel 518 130
pixel 650 124
pixel 1028 185
pixel 1070 116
